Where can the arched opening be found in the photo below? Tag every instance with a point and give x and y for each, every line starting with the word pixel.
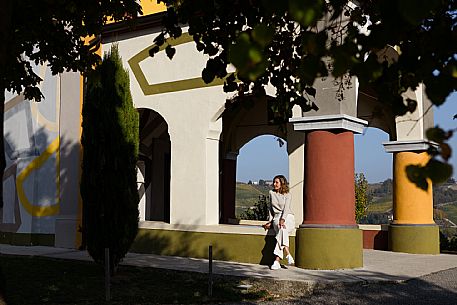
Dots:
pixel 445 194
pixel 372 160
pixel 259 160
pixel 154 167
pixel 375 164
pixel 412 206
pixel 242 121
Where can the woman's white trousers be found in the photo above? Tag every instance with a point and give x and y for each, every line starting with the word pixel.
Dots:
pixel 282 234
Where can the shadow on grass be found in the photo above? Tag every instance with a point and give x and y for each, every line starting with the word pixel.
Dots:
pixel 37 280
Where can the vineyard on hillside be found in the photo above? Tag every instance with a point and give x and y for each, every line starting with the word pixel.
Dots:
pixel 380 207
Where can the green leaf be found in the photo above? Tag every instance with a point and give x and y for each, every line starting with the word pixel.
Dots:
pixel 255 54
pixel 170 51
pixel 208 75
pixel 414 11
pixel 231 77
pixel 438 171
pixel 398 106
pixel 438 89
pixel 263 34
pixel 200 46
pixel 256 71
pixel 311 91
pixel 306 12
pixel 343 60
pixel 411 105
pixel 275 6
pixel 436 134
pixel 247 57
pixel 160 40
pixel 445 151
pixel 237 54
pixel 230 86
pixel 153 51
pixel 309 69
pixel 315 43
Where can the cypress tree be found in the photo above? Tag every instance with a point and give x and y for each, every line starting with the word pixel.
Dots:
pixel 110 140
pixel 361 196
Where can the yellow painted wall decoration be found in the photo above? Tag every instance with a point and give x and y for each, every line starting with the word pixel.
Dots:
pixel 31 208
pixel 53 148
pixel 173 86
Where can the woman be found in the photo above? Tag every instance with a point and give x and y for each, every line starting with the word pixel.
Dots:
pixel 282 220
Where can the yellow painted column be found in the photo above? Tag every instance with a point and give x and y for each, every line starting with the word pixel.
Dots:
pixel 412 205
pixel 413 229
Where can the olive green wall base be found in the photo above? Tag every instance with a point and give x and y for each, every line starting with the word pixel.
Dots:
pixel 256 249
pixel 417 239
pixel 329 248
pixel 27 239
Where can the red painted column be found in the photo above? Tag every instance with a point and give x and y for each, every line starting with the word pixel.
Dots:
pixel 329 178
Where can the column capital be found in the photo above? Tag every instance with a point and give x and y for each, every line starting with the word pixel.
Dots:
pixel 408 145
pixel 325 122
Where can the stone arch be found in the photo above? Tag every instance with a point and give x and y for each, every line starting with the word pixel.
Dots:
pixel 242 121
pixel 408 144
pixel 154 166
pixel 377 114
pixel 266 155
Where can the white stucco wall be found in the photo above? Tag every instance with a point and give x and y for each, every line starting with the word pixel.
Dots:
pixel 193 126
pixel 412 126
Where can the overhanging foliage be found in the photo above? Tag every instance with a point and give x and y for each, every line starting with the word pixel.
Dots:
pixel 290 43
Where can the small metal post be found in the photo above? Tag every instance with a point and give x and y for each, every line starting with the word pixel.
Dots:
pixel 107 275
pixel 210 271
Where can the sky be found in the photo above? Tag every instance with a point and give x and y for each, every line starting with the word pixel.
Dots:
pixel 262 158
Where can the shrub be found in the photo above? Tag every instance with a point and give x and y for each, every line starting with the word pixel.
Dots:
pixel 361 196
pixel 110 150
pixel 259 211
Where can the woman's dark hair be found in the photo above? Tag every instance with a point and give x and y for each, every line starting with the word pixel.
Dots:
pixel 284 189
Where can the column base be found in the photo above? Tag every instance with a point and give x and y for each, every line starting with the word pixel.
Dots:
pixel 415 239
pixel 329 248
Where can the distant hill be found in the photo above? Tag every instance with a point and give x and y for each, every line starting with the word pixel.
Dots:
pixel 444 198
pixel 247 195
pixel 445 204
pixel 444 201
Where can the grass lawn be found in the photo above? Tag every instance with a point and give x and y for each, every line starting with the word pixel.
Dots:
pixel 37 280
